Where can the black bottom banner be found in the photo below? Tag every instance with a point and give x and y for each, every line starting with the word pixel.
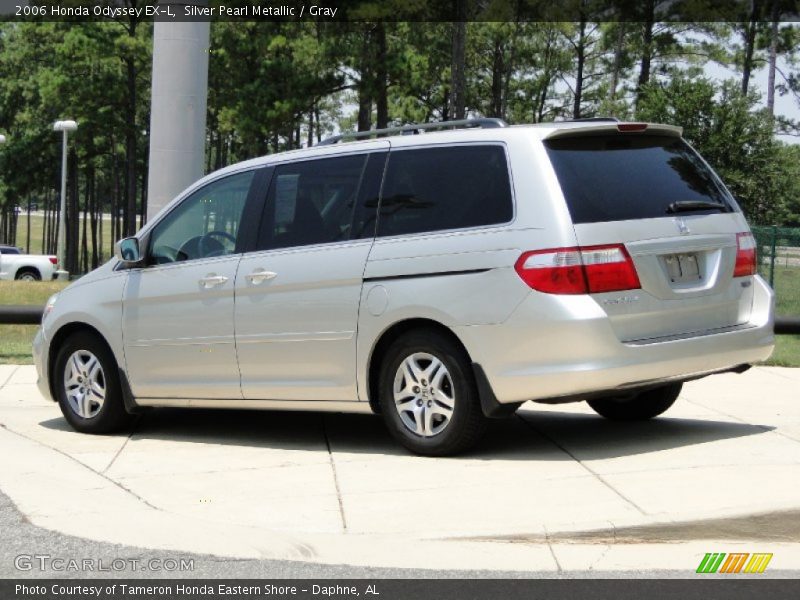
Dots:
pixel 391 589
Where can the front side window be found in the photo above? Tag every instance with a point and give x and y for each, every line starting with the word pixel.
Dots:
pixel 313 202
pixel 204 225
pixel 436 189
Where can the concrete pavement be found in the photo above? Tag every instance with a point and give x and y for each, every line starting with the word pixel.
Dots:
pixel 555 489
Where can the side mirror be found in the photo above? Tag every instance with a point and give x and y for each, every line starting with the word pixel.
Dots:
pixel 127 251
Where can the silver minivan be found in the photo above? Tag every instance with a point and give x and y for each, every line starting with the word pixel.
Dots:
pixel 439 279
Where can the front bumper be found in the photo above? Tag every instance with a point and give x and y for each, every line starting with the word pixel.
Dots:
pixel 40 347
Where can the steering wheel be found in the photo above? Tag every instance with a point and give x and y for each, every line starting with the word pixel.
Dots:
pixel 209 245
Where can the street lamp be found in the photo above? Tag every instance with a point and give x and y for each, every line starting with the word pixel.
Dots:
pixel 65 127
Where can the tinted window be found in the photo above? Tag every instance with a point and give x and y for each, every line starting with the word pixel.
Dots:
pixel 314 202
pixel 205 224
pixel 445 188
pixel 616 177
pixel 9 251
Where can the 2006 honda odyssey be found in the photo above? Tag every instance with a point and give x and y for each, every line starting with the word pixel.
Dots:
pixel 437 279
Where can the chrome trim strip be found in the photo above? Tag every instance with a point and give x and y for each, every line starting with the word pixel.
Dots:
pixel 690 335
pixel 312 405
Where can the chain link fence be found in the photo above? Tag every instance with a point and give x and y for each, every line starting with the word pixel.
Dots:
pixel 779 263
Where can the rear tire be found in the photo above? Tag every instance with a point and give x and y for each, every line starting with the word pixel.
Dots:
pixel 428 397
pixel 87 386
pixel 28 275
pixel 644 405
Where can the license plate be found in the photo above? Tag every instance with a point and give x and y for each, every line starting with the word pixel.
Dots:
pixel 683 268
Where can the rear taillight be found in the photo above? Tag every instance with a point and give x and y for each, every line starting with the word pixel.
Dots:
pixel 53 259
pixel 580 270
pixel 745 255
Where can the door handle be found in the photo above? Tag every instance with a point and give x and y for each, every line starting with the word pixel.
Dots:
pixel 260 276
pixel 212 280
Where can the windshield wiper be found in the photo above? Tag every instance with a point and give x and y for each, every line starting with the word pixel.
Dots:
pixel 690 205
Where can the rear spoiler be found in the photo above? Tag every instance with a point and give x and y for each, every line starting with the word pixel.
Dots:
pixel 599 128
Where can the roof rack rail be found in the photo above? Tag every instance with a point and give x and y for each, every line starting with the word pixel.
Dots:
pixel 415 128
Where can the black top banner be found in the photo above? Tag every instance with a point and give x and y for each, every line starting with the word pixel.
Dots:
pixel 404 10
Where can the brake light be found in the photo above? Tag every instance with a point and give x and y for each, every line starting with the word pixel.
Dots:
pixel 623 127
pixel 53 259
pixel 579 270
pixel 745 255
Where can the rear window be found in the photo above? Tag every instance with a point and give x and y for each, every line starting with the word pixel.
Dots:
pixel 621 177
pixel 451 187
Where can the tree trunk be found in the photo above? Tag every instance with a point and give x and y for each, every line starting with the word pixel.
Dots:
pixel 381 79
pixel 84 263
pixel 619 46
pixel 496 109
pixel 91 184
pixel 73 215
pixel 28 230
pixel 580 51
pixel 143 199
pixel 749 46
pixel 647 49
pixel 365 85
pixel 46 227
pixel 457 63
pixel 310 138
pixel 130 138
pixel 100 219
pixel 773 57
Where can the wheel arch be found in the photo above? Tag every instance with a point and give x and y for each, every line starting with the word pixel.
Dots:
pixel 385 340
pixel 28 269
pixel 62 334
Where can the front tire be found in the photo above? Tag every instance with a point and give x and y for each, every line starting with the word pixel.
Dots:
pixel 87 385
pixel 428 395
pixel 644 405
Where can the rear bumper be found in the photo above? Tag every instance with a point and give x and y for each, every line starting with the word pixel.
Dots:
pixel 555 346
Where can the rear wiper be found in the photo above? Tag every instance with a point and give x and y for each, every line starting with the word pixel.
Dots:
pixel 690 205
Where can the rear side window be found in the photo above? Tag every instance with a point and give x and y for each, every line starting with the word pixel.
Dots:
pixel 619 177
pixel 434 189
pixel 313 202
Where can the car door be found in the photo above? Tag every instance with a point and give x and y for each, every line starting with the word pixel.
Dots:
pixel 297 296
pixel 178 311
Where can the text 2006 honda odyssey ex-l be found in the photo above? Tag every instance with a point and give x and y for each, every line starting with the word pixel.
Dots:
pixel 437 279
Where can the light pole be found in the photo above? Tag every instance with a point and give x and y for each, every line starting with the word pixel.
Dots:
pixel 65 127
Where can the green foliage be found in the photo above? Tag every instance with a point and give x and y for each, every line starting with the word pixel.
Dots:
pixel 280 85
pixel 734 137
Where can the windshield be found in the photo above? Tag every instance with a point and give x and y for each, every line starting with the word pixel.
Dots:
pixel 621 177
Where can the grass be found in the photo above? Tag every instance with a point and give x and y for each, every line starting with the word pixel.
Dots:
pixel 787 295
pixel 15 340
pixel 787 351
pixel 787 290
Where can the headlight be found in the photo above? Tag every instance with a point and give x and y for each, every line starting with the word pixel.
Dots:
pixel 48 308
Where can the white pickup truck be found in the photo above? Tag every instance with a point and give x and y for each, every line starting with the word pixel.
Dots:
pixel 26 267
